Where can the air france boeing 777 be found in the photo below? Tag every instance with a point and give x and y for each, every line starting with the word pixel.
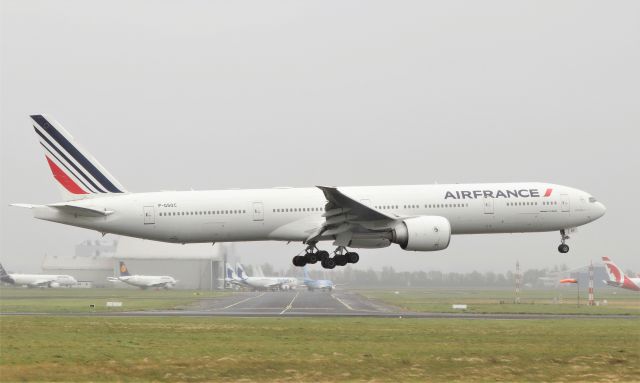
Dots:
pixel 417 217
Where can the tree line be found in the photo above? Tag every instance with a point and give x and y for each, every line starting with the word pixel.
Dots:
pixel 389 277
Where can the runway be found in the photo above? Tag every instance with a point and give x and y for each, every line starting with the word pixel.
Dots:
pixel 302 303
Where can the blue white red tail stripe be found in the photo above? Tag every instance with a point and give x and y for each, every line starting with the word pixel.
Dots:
pixel 52 157
pixel 75 169
pixel 67 160
pixel 75 153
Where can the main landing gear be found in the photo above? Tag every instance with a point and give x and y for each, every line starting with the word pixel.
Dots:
pixel 563 248
pixel 312 255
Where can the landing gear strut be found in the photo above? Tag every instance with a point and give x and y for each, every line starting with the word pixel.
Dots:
pixel 563 248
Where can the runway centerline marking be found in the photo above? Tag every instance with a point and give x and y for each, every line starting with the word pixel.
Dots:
pixel 290 304
pixel 341 301
pixel 244 300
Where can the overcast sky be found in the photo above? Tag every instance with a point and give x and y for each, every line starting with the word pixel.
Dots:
pixel 244 94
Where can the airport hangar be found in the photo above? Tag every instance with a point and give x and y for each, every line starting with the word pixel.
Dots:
pixel 195 266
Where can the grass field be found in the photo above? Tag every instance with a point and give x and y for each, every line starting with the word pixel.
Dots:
pixel 323 349
pixel 618 301
pixel 64 300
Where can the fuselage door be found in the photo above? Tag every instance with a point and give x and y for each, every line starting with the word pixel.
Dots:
pixel 564 203
pixel 149 215
pixel 488 205
pixel 258 211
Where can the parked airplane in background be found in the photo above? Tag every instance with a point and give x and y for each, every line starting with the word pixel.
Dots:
pixel 36 280
pixel 264 283
pixel 231 277
pixel 418 217
pixel 617 278
pixel 317 284
pixel 143 281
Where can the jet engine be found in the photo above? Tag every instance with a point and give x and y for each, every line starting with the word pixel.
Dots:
pixel 426 233
pixel 54 284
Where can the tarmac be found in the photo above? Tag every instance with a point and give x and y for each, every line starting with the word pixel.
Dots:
pixel 302 303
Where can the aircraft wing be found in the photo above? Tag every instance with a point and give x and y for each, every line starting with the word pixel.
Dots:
pixel 345 215
pixel 274 284
pixel 613 283
pixel 41 282
pixel 159 284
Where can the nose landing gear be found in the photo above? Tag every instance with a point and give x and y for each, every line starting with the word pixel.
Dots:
pixel 563 248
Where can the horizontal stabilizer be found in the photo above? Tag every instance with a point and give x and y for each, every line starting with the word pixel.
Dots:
pixel 24 205
pixel 79 210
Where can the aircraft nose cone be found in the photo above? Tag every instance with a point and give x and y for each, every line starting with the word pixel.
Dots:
pixel 601 209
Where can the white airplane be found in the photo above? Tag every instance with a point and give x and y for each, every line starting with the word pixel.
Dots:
pixel 417 217
pixel 617 277
pixel 264 283
pixel 317 284
pixel 143 281
pixel 36 280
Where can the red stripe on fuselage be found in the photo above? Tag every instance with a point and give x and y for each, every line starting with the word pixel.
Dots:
pixel 64 179
pixel 548 192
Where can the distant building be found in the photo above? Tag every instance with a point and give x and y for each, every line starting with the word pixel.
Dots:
pixel 195 266
pixel 92 262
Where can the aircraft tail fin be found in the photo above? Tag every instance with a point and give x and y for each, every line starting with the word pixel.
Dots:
pixel 615 273
pixel 4 276
pixel 230 273
pixel 241 273
pixel 3 272
pixel 124 272
pixel 78 173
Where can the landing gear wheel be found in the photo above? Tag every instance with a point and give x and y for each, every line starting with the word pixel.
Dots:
pixel 311 258
pixel 340 259
pixel 352 257
pixel 322 255
pixel 299 261
pixel 328 263
pixel 563 248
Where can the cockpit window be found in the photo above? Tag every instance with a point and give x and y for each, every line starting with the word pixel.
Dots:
pixel 592 199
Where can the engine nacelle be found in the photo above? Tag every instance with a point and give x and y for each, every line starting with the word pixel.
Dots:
pixel 426 233
pixel 54 284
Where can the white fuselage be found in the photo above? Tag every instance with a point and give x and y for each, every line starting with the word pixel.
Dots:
pixel 290 214
pixel 50 280
pixel 148 280
pixel 319 284
pixel 260 283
